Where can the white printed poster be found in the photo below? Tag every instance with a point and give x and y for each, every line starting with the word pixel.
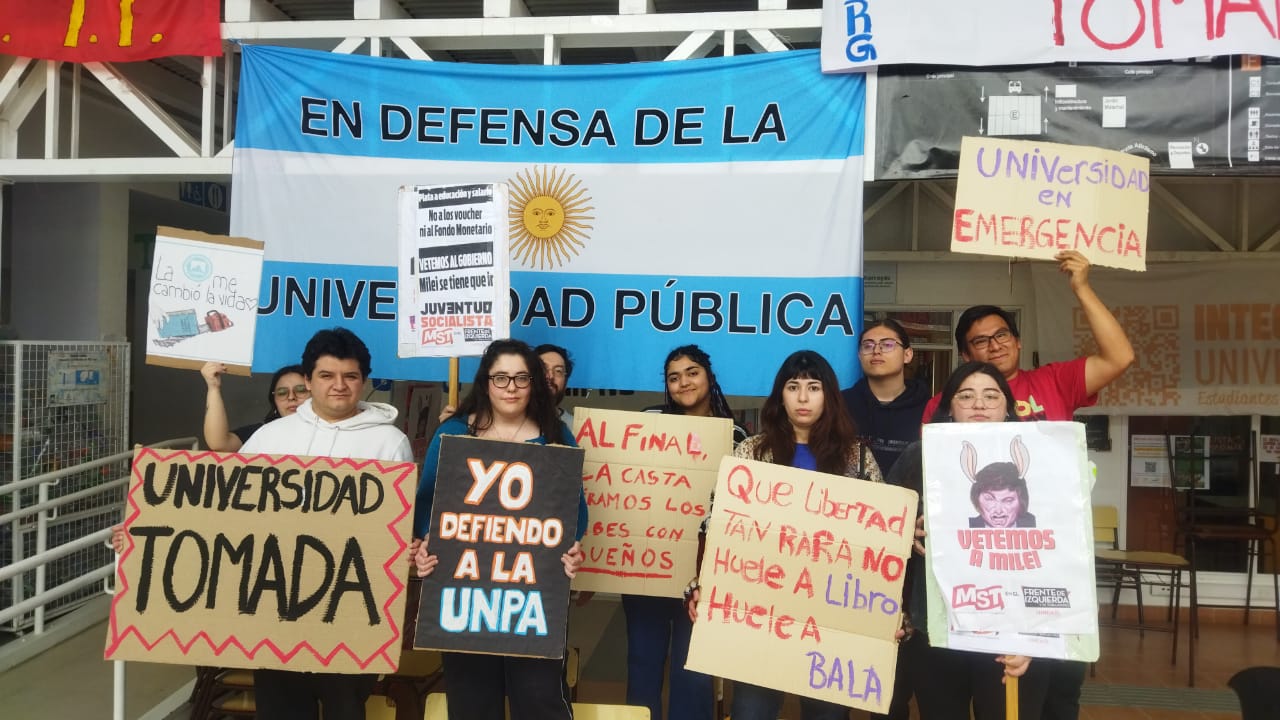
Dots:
pixel 1269 448
pixel 454 268
pixel 1149 461
pixel 203 301
pixel 1010 537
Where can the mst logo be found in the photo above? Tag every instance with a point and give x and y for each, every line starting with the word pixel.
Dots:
pixel 437 336
pixel 987 598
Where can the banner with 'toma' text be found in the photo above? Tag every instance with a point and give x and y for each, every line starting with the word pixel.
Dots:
pixel 714 201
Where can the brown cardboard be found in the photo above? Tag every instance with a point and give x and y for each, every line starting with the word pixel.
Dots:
pixel 802 583
pixel 648 479
pixel 1018 198
pixel 168 609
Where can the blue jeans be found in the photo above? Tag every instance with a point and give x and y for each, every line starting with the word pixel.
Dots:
pixel 655 626
pixel 752 702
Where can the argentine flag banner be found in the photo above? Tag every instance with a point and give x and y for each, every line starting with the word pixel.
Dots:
pixel 651 205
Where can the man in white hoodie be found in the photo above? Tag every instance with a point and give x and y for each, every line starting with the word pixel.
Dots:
pixel 333 423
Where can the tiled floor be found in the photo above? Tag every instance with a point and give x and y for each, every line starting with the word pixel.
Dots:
pixel 1226 646
pixel 71 680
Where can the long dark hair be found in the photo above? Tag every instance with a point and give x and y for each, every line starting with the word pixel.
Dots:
pixel 273 412
pixel 962 373
pixel 719 405
pixel 541 410
pixel 830 437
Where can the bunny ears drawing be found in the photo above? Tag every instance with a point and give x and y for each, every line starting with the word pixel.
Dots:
pixel 999 491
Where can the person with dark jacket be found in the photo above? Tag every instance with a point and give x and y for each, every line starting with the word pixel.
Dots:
pixel 884 405
pixel 885 408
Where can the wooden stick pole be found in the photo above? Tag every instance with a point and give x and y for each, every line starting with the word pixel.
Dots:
pixel 453 382
pixel 1010 698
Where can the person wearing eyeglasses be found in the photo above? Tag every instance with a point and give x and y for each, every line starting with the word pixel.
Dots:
pixel 510 400
pixel 884 405
pixel 949 683
pixel 1055 391
pixel 988 333
pixel 885 409
pixel 288 391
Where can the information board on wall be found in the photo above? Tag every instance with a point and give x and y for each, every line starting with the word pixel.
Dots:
pixel 280 562
pixel 1201 116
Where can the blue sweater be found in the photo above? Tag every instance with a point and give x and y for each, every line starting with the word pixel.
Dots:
pixel 427 483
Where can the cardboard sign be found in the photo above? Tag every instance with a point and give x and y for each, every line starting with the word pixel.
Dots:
pixel 454 269
pixel 1017 198
pixel 1010 535
pixel 263 562
pixel 648 479
pixel 802 583
pixel 203 300
pixel 502 516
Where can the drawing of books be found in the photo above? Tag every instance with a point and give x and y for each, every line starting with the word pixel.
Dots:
pixel 178 324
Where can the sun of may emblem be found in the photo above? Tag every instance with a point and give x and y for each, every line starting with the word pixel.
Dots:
pixel 548 217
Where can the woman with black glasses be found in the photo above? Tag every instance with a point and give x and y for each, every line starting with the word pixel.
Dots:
pixel 510 400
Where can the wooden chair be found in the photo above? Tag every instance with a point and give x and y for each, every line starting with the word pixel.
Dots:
pixel 1138 568
pixel 221 692
pixel 1251 526
pixel 1110 572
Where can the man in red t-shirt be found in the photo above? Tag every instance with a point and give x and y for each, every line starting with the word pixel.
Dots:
pixel 987 333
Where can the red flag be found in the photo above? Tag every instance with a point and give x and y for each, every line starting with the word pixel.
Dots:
pixel 109 30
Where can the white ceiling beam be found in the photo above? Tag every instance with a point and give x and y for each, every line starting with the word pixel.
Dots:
pixel 115 169
pixel 208 105
pixel 1188 218
pixel 1269 241
pixel 696 45
pixel 527 32
pixel 764 41
pixel 52 107
pixel 505 9
pixel 12 76
pixel 349 45
pixel 74 150
pixel 17 108
pixel 378 10
pixel 251 11
pixel 636 7
pixel 145 109
pixel 772 5
pixel 410 48
pixel 550 50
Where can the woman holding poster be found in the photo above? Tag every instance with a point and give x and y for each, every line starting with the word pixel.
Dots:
pixel 659 626
pixel 805 426
pixel 510 401
pixel 948 681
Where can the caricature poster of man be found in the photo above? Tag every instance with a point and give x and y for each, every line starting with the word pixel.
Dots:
pixel 1010 536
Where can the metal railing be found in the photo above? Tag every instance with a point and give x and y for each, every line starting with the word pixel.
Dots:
pixel 44 510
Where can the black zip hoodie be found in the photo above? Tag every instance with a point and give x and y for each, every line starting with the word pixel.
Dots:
pixel 888 428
